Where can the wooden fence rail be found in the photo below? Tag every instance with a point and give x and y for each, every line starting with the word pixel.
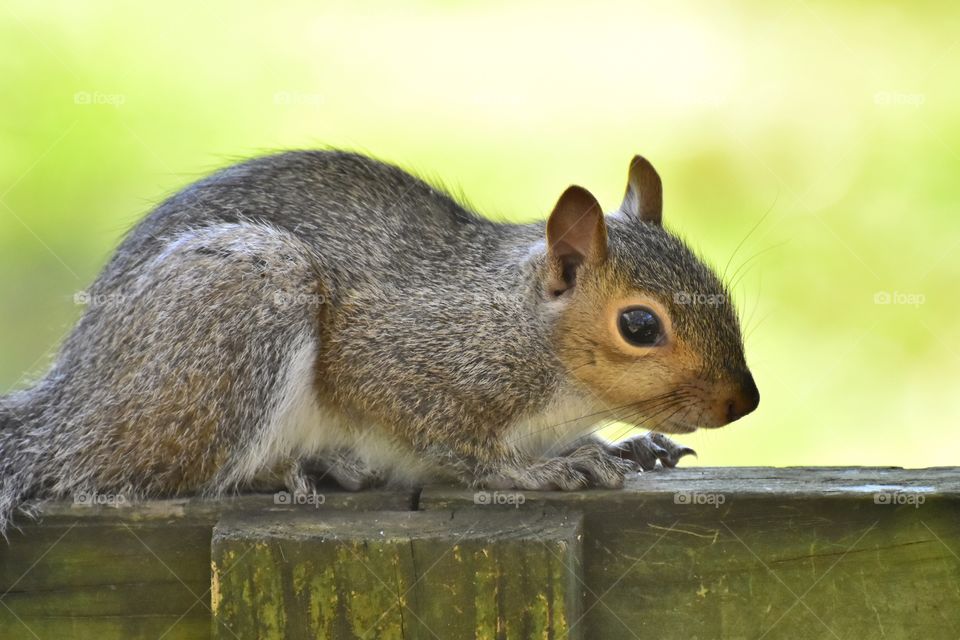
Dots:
pixel 690 554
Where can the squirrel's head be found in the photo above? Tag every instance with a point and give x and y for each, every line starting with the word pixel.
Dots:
pixel 642 322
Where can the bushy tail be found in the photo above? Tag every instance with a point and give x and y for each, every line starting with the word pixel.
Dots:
pixel 17 461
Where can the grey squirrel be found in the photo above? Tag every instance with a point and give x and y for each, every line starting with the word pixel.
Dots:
pixel 324 312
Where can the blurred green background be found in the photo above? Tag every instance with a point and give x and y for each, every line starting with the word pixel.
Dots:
pixel 830 128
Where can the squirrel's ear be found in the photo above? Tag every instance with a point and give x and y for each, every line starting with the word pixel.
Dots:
pixel 644 197
pixel 576 235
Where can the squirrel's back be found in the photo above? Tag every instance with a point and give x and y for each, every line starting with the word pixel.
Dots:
pixel 337 201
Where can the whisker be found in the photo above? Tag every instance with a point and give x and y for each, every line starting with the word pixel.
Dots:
pixel 667 419
pixel 653 409
pixel 757 326
pixel 608 410
pixel 749 233
pixel 756 304
pixel 631 416
pixel 666 403
pixel 735 280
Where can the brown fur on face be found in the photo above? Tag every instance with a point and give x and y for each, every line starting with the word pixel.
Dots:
pixel 647 385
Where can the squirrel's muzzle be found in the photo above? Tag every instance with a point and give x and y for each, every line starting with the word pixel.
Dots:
pixel 744 400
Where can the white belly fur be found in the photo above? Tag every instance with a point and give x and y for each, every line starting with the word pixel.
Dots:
pixel 569 416
pixel 300 428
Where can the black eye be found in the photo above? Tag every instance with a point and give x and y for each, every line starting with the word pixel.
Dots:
pixel 640 327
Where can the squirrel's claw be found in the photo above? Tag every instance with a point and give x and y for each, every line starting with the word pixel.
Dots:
pixel 648 449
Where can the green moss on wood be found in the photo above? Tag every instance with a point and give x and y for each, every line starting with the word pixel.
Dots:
pixel 402 575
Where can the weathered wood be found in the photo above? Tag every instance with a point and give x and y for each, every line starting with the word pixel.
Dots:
pixel 694 553
pixel 135 571
pixel 772 553
pixel 400 575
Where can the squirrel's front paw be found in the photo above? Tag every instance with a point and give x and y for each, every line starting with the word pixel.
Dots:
pixel 586 467
pixel 647 449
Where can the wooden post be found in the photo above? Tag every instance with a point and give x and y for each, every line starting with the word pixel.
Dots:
pixel 396 575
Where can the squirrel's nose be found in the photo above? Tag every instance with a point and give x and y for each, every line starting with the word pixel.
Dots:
pixel 745 400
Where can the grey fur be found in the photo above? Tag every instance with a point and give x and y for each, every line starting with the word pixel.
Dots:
pixel 427 323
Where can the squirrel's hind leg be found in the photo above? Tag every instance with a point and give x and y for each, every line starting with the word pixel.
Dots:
pixel 345 469
pixel 172 381
pixel 306 475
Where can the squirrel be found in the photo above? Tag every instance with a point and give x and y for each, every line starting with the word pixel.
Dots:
pixel 320 313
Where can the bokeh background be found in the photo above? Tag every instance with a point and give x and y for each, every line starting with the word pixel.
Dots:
pixel 814 147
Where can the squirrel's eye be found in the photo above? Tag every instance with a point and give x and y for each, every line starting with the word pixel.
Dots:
pixel 640 327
